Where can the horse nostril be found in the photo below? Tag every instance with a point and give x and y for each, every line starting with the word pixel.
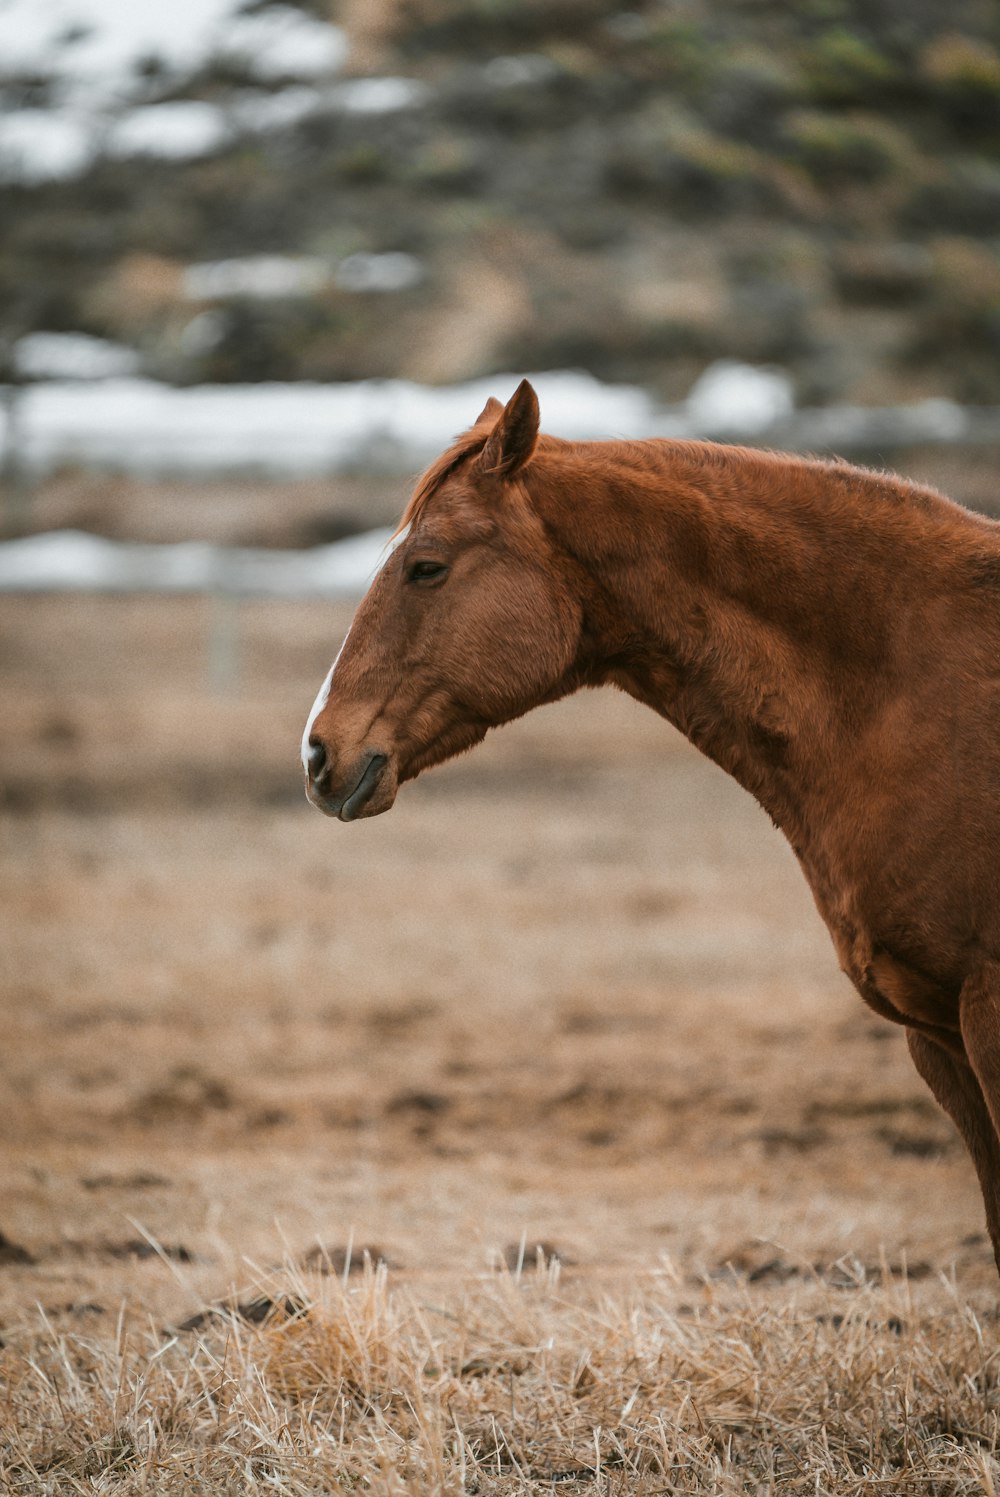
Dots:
pixel 317 764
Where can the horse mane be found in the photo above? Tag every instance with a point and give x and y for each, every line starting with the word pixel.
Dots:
pixel 473 440
pixel 649 456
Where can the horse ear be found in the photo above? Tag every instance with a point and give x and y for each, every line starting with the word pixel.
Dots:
pixel 512 441
pixel 490 411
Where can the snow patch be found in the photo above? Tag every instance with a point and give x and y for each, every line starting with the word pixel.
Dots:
pixel 72 356
pixel 283 42
pixel 144 427
pixel 103 58
pixel 256 276
pixel 37 145
pixel 179 131
pixel 379 95
pixel 395 271
pixel 262 110
pixel 95 49
pixel 73 561
pixel 732 397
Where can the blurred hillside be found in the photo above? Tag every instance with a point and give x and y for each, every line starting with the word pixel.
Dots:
pixel 530 184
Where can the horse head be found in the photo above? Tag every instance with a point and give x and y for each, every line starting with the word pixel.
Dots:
pixel 470 622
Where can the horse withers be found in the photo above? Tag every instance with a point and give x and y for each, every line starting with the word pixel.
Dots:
pixel 829 636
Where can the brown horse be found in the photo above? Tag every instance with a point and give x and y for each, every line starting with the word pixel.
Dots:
pixel 829 636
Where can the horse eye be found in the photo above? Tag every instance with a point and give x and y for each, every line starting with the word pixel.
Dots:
pixel 426 571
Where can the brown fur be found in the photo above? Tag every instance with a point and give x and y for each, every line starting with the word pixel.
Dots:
pixel 830 636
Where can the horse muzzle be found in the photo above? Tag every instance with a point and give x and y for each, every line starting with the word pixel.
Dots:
pixel 367 790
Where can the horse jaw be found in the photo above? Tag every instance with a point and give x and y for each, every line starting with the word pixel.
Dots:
pixel 456 740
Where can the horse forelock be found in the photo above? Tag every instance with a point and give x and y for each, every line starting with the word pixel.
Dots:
pixel 471 441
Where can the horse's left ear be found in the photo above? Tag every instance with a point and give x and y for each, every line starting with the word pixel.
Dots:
pixel 490 411
pixel 512 441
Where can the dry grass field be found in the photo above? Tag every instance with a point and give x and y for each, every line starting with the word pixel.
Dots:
pixel 524 1139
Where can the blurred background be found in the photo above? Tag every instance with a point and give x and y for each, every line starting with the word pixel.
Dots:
pixel 258 263
pixel 430 192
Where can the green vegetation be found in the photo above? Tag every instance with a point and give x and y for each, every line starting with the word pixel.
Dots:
pixel 856 148
pixel 965 72
pixel 842 67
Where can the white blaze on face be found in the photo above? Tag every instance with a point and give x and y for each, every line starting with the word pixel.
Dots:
pixel 319 704
pixel 322 696
pixel 317 708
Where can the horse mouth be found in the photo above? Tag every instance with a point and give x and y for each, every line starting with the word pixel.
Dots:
pixel 363 791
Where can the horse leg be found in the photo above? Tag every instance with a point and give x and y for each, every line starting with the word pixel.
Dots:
pixel 979 1016
pixel 957 1088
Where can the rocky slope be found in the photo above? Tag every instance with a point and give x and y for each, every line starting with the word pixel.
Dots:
pixel 546 184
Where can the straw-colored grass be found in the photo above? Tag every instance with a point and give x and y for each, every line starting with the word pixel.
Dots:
pixel 518 1382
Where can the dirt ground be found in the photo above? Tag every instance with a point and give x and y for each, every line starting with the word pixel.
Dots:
pixel 571 990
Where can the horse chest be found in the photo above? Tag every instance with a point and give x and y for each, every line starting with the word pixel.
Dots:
pixel 892 954
pixel 893 986
pixel 911 995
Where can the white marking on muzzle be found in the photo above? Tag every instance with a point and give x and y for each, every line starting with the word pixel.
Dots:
pixel 322 696
pixel 317 707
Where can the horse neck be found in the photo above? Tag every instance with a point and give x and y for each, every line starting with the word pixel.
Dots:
pixel 751 600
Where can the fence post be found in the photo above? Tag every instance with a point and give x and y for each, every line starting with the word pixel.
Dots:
pixel 13 477
pixel 224 629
